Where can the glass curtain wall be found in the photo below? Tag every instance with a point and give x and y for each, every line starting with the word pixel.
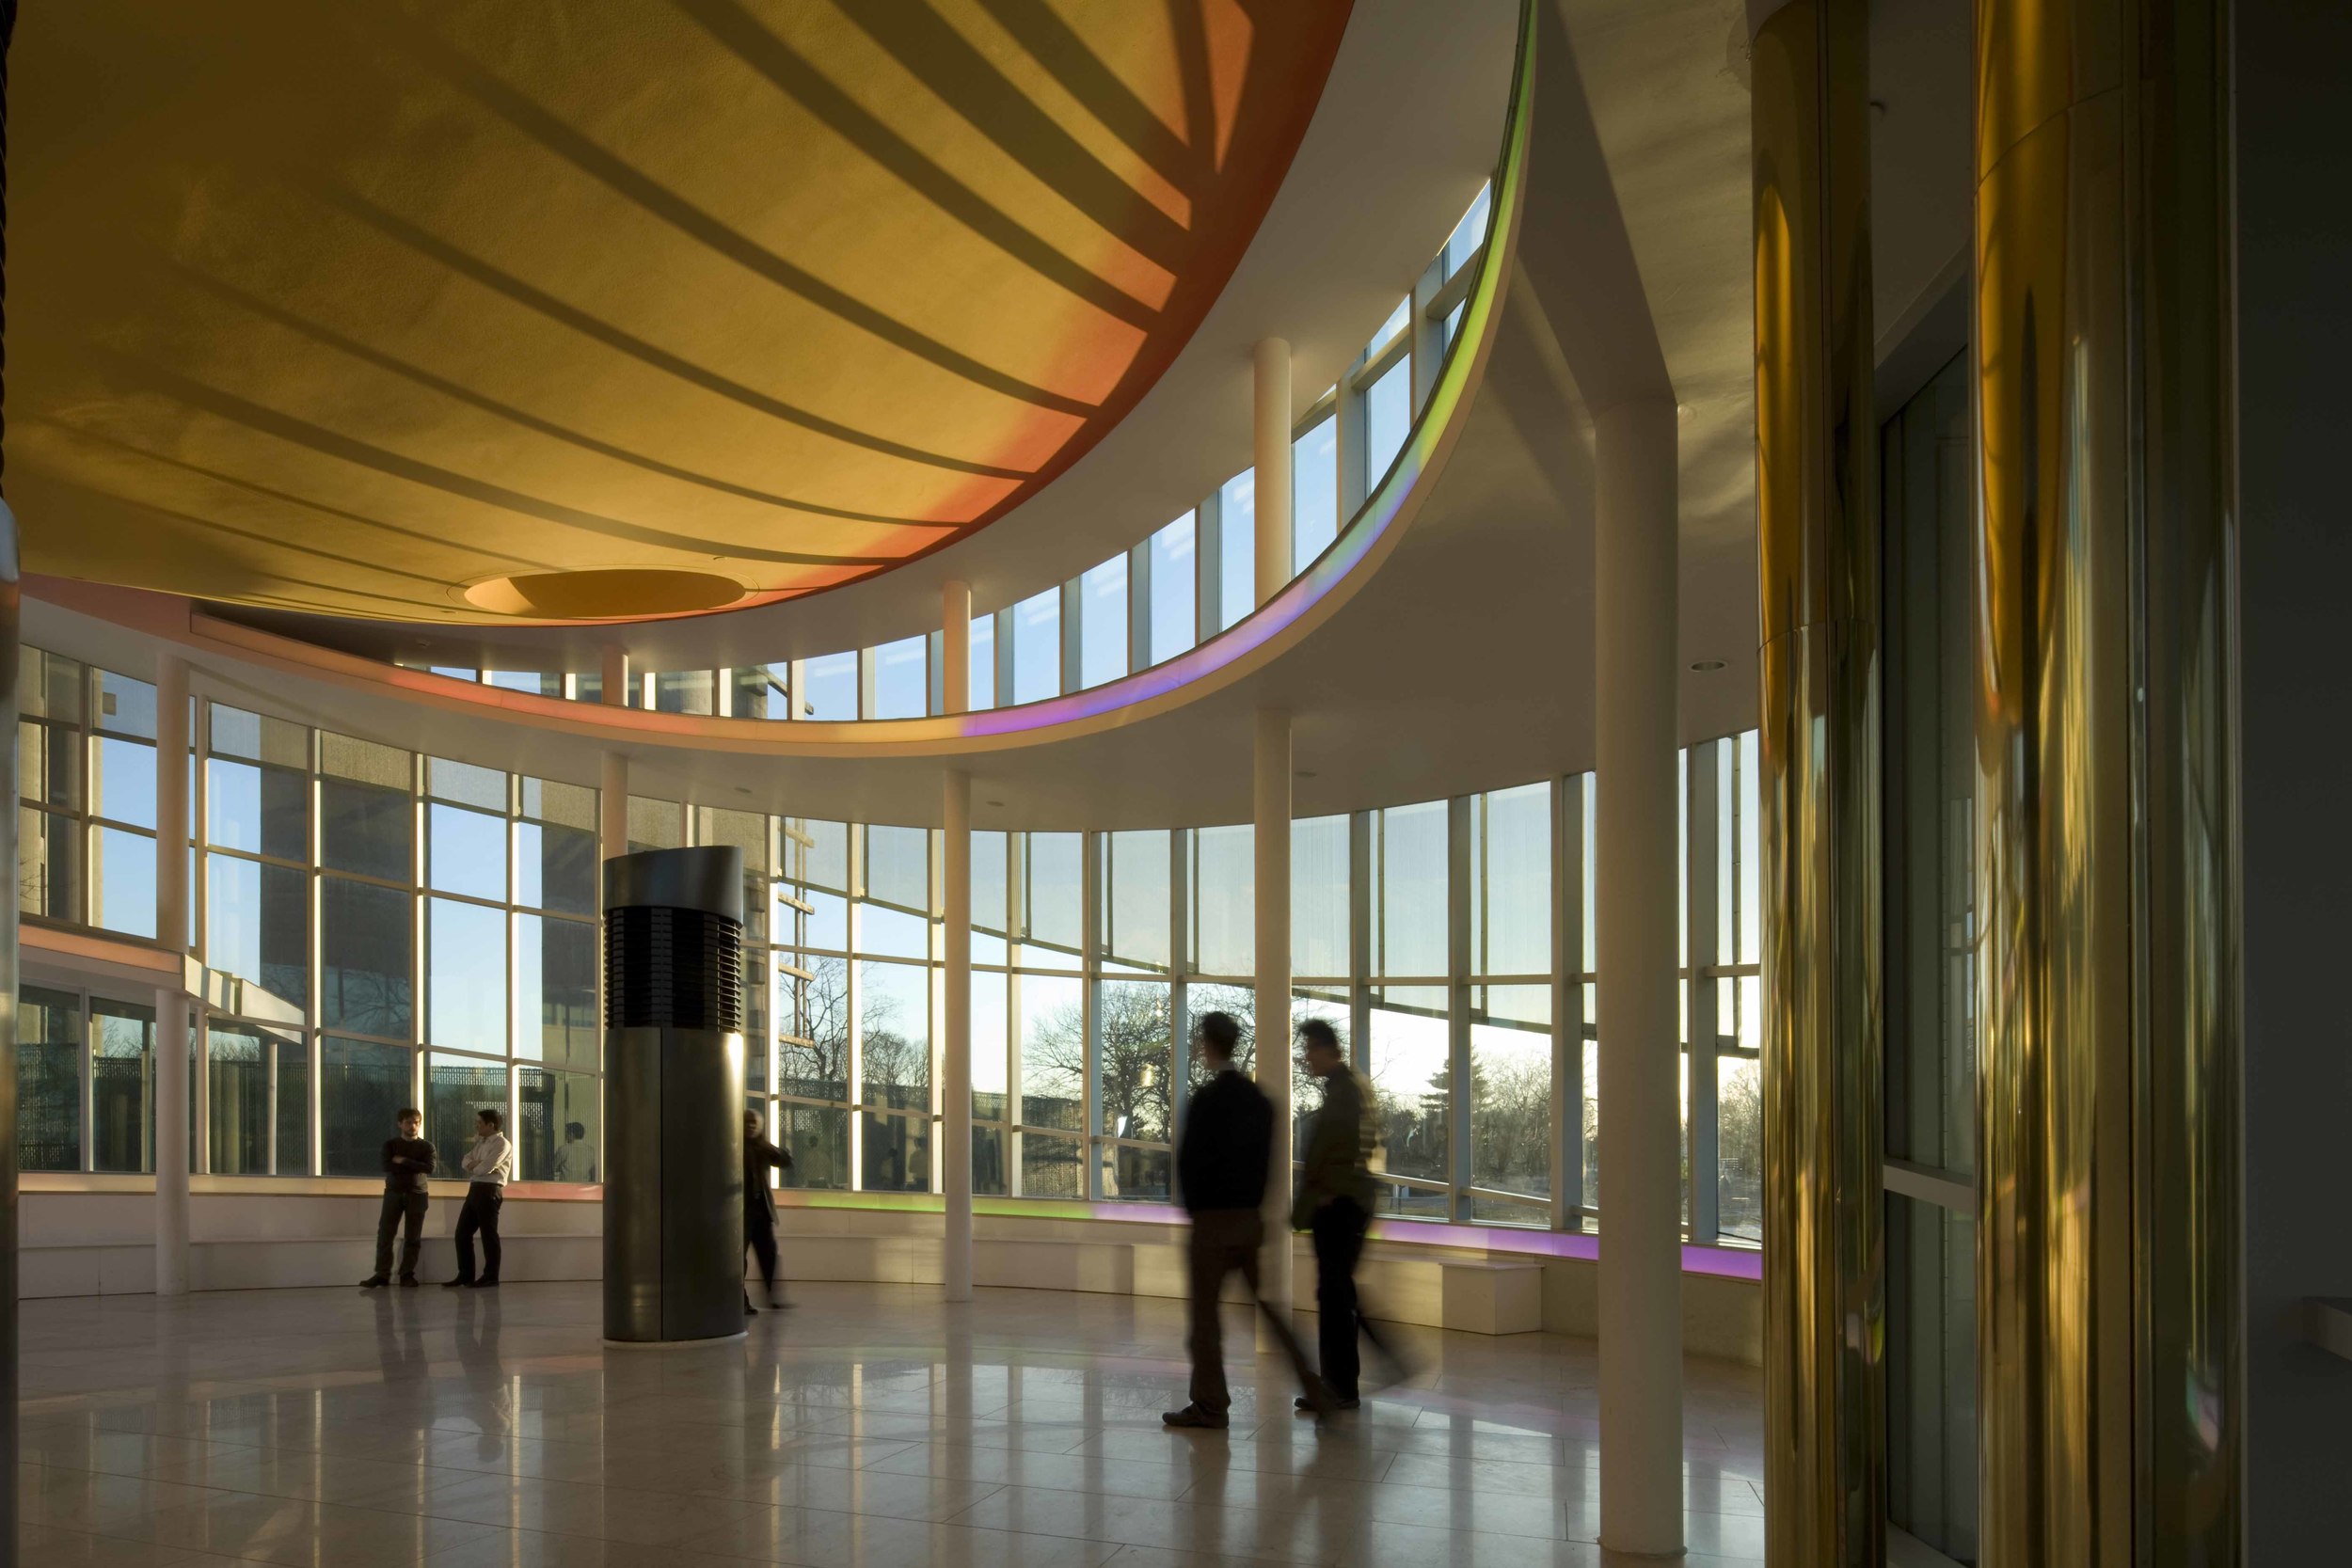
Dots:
pixel 385 927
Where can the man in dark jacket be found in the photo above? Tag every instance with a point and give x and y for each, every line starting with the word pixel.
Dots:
pixel 407 1160
pixel 1222 1167
pixel 1335 1196
pixel 759 1207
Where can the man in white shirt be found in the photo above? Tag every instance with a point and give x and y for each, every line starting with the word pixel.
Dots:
pixel 488 1163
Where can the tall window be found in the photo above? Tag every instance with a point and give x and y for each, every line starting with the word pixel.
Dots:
pixel 1315 492
pixel 86 821
pixel 901 679
pixel 1036 672
pixel 1174 591
pixel 1103 623
pixel 1237 569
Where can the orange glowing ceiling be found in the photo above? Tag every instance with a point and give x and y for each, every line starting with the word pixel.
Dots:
pixel 406 311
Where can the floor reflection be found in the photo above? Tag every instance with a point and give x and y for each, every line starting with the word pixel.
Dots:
pixel 870 1427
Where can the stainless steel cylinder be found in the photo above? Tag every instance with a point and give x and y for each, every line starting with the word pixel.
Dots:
pixel 674 1096
pixel 1818 561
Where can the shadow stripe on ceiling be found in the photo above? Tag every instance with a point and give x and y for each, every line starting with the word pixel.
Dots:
pixel 437 540
pixel 964 79
pixel 626 179
pixel 332 339
pixel 469 265
pixel 287 427
pixel 797 79
pixel 1054 45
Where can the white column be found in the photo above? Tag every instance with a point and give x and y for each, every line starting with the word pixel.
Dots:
pixel 1636 897
pixel 616 674
pixel 172 1001
pixel 955 647
pixel 1272 816
pixel 1270 449
pixel 955 1090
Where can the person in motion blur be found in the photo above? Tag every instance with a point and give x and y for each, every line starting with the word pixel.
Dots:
pixel 407 1160
pixel 489 1165
pixel 1335 1196
pixel 1222 1163
pixel 759 1208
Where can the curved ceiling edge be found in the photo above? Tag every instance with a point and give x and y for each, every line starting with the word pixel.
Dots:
pixel 1248 645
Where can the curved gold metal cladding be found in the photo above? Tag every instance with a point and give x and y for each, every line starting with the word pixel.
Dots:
pixel 1817 487
pixel 2053 804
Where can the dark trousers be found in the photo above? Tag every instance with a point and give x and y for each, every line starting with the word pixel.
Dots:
pixel 480 1213
pixel 1226 1241
pixel 759 1234
pixel 397 1208
pixel 1339 1230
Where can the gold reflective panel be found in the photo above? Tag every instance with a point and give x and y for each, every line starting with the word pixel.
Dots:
pixel 2063 1375
pixel 1818 562
pixel 352 309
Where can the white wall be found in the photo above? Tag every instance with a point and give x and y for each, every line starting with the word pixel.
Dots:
pixel 103 1243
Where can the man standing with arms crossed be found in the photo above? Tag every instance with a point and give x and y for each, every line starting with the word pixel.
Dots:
pixel 1222 1167
pixel 488 1163
pixel 407 1160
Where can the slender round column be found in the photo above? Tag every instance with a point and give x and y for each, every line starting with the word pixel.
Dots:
pixel 1640 1206
pixel 955 1074
pixel 955 647
pixel 1271 794
pixel 1270 450
pixel 172 1001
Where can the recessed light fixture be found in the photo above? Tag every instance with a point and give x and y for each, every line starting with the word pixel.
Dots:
pixel 1706 666
pixel 743 789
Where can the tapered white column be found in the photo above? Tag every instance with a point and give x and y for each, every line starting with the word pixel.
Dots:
pixel 172 1001
pixel 1641 1242
pixel 955 647
pixel 1270 450
pixel 955 1087
pixel 1271 795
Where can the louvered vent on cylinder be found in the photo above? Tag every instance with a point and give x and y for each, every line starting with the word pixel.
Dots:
pixel 675 969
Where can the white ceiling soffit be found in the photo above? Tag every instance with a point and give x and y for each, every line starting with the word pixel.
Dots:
pixel 1409 124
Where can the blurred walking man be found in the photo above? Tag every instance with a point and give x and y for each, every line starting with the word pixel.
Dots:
pixel 1335 1203
pixel 1222 1165
pixel 759 1207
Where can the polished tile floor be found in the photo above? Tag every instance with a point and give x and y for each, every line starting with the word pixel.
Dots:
pixel 870 1427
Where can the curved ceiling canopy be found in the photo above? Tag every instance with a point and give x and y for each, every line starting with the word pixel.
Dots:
pixel 409 312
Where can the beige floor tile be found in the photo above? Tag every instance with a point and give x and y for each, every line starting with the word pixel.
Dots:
pixel 868 1429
